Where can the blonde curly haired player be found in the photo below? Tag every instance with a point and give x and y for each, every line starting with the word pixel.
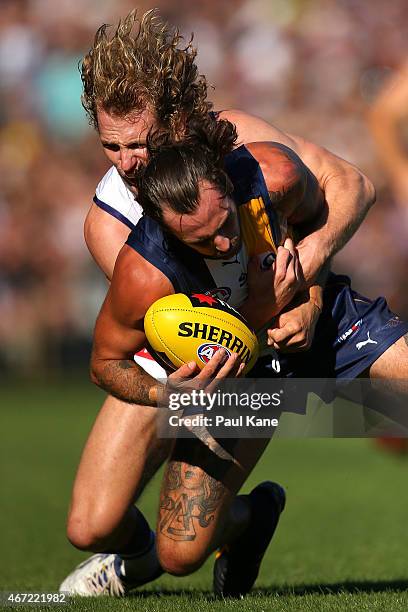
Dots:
pixel 146 67
pixel 138 75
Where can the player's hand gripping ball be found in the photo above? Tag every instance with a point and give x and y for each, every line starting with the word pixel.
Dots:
pixel 183 328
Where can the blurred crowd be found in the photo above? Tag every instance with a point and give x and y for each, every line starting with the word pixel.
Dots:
pixel 312 67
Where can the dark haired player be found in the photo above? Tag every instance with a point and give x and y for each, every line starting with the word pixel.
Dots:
pixel 215 209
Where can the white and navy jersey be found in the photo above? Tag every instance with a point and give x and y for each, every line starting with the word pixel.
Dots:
pixel 114 197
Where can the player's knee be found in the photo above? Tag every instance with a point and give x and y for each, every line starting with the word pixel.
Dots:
pixel 79 533
pixel 180 559
pixel 89 532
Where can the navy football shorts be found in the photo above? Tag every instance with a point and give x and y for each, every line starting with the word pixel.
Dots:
pixel 351 334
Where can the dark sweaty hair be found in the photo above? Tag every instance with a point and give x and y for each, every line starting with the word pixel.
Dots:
pixel 171 179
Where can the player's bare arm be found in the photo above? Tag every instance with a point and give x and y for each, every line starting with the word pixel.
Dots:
pixel 297 196
pixel 119 328
pixel 104 236
pixel 348 192
pixel 298 201
pixel 119 333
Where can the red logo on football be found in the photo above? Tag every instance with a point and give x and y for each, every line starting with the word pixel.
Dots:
pixel 206 351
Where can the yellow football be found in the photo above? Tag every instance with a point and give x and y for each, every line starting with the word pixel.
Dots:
pixel 183 328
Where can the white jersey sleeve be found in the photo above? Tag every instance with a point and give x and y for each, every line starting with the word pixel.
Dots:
pixel 115 198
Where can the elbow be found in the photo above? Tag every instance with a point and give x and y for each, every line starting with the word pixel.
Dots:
pixel 93 376
pixel 94 373
pixel 363 190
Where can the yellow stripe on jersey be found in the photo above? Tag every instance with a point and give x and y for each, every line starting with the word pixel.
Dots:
pixel 255 228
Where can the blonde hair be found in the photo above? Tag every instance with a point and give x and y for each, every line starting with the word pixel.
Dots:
pixel 145 68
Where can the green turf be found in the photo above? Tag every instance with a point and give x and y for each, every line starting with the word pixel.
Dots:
pixel 341 545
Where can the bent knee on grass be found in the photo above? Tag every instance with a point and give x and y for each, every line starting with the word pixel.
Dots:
pixel 180 558
pixel 82 534
pixel 97 525
pixel 89 532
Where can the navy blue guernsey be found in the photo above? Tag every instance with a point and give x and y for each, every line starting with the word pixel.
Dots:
pixel 352 331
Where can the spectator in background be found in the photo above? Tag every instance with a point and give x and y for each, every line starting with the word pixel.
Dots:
pixel 389 125
pixel 388 120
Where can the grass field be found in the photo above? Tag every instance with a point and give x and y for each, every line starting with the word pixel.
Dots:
pixel 342 543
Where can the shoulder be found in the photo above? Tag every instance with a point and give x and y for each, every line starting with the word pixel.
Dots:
pixel 112 186
pixel 280 165
pixel 136 268
pixel 137 283
pixel 253 129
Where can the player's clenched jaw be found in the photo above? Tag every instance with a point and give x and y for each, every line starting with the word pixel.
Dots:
pixel 123 139
pixel 212 228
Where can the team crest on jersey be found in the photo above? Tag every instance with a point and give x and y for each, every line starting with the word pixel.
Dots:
pixel 206 351
pixel 267 260
pixel 221 293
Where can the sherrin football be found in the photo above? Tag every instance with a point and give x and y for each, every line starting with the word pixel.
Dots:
pixel 181 328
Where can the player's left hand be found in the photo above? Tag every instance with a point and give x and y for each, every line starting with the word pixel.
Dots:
pixel 294 328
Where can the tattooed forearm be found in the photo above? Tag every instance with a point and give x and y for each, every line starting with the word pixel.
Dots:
pixel 189 498
pixel 125 380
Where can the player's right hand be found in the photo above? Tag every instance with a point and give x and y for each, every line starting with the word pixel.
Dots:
pixel 188 378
